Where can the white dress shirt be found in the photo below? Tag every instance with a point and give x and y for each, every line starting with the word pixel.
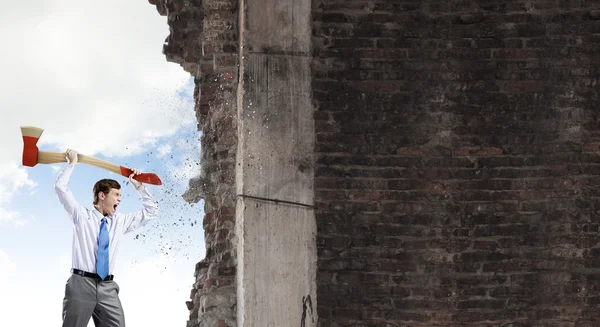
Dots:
pixel 86 224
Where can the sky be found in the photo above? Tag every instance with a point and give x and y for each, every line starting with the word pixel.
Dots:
pixel 93 76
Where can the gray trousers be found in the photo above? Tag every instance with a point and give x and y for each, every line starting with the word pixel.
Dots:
pixel 86 298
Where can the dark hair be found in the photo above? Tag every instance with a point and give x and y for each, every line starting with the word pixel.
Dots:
pixel 104 186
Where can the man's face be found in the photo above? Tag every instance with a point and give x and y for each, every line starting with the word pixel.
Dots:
pixel 110 201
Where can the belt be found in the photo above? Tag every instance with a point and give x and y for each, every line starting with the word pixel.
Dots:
pixel 91 275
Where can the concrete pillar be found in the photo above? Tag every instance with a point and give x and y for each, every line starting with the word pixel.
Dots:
pixel 275 220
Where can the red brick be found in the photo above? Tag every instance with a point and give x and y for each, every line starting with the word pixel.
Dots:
pixel 225 60
pixel 490 151
pixel 591 147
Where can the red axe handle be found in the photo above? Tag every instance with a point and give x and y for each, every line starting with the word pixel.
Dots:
pixel 56 157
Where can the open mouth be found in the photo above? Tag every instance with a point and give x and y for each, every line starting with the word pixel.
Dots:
pixel 115 207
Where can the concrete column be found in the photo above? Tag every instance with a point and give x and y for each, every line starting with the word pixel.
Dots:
pixel 276 241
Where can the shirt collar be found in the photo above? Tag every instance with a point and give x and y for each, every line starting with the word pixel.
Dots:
pixel 99 215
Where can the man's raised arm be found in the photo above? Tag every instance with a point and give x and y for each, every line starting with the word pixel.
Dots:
pixel 65 196
pixel 141 217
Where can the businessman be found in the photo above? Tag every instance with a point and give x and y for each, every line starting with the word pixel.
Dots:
pixel 91 291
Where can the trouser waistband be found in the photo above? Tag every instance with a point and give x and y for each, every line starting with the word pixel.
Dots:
pixel 91 275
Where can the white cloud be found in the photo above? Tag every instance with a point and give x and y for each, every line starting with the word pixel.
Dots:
pixel 8 216
pixel 189 160
pixel 163 150
pixel 12 179
pixel 7 268
pixel 17 290
pixel 12 217
pixel 64 262
pixel 95 78
pixel 157 276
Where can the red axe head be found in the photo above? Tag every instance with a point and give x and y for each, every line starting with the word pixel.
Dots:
pixel 31 135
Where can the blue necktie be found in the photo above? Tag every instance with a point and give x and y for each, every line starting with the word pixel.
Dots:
pixel 102 258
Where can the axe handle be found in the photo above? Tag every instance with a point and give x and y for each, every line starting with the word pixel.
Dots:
pixel 57 157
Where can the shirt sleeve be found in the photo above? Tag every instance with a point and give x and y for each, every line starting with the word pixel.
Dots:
pixel 141 217
pixel 65 196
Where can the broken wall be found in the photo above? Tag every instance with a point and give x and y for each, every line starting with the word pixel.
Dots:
pixel 456 158
pixel 203 40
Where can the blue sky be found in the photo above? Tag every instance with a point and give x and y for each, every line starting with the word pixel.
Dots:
pixel 95 79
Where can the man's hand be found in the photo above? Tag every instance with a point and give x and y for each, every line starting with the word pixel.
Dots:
pixel 135 183
pixel 71 156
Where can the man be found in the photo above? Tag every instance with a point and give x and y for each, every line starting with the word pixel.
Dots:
pixel 91 290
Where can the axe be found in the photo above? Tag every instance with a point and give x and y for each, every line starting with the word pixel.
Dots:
pixel 32 157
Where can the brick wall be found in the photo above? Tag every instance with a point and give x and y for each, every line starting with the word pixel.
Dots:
pixel 203 40
pixel 457 162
